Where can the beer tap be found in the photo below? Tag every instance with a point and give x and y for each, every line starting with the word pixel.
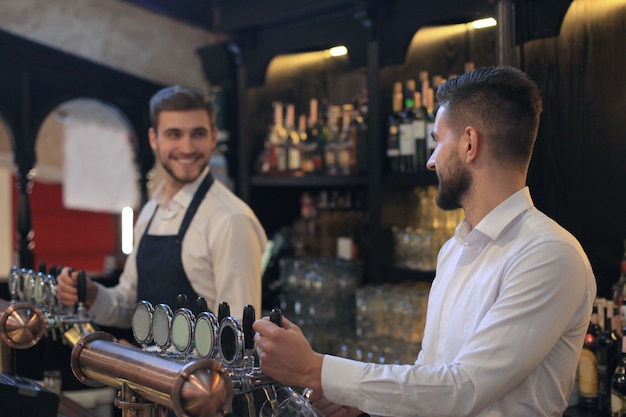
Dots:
pixel 249 316
pixel 81 289
pixel 183 325
pixel 206 331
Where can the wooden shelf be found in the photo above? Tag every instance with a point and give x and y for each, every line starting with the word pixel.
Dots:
pixel 309 181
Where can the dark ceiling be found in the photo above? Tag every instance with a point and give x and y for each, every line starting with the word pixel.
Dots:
pixel 194 12
pixel 265 28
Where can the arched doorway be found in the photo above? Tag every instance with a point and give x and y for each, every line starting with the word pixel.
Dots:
pixel 85 175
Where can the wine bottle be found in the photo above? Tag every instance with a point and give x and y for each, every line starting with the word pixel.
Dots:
pixel 393 129
pixel 618 384
pixel 419 127
pixel 407 131
pixel 428 100
pixel 608 355
pixel 317 134
pixel 588 365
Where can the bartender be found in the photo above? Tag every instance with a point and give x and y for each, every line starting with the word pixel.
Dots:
pixel 195 236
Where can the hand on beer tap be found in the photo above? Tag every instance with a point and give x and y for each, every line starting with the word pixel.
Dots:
pixel 286 356
pixel 68 288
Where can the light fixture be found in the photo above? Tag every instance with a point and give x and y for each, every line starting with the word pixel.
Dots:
pixel 338 51
pixel 484 23
pixel 127 230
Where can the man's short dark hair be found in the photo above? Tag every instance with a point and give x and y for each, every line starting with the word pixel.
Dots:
pixel 180 98
pixel 501 101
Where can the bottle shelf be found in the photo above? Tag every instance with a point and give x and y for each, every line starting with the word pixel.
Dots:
pixel 309 181
pixel 411 179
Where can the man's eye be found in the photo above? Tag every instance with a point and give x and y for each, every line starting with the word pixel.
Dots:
pixel 200 134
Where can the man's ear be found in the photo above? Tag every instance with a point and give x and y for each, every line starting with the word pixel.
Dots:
pixel 214 133
pixel 152 138
pixel 471 143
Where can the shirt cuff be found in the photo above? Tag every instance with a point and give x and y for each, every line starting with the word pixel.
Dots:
pixel 340 380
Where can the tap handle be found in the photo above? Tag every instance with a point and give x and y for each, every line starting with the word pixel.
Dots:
pixel 201 305
pixel 43 268
pixel 223 311
pixel 249 316
pixel 181 301
pixel 276 317
pixel 81 286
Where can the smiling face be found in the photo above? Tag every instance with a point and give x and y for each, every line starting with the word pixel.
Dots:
pixel 183 142
pixel 455 179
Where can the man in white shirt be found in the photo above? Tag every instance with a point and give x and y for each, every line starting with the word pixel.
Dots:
pixel 194 236
pixel 513 292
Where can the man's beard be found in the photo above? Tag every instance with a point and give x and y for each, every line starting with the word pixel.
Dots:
pixel 181 180
pixel 453 186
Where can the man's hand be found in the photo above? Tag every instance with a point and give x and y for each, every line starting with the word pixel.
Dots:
pixel 286 356
pixel 67 293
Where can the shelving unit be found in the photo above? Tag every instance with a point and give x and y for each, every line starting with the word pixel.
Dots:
pixel 378 35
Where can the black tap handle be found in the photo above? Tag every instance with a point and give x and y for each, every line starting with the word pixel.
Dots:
pixel 276 317
pixel 181 301
pixel 201 305
pixel 223 311
pixel 42 268
pixel 249 315
pixel 52 271
pixel 81 286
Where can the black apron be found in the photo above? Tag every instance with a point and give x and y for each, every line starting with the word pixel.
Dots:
pixel 160 273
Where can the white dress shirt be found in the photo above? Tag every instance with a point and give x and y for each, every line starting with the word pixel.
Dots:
pixel 221 253
pixel 507 314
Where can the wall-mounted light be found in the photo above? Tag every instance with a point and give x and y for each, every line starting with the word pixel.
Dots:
pixel 484 23
pixel 127 230
pixel 338 51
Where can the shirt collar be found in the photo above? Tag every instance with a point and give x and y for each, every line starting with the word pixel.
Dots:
pixel 497 219
pixel 184 196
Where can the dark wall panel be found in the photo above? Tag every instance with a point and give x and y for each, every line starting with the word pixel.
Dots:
pixel 578 175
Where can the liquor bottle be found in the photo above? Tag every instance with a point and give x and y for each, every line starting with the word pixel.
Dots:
pixel 618 384
pixel 419 127
pixel 608 355
pixel 292 144
pixel 346 161
pixel 428 99
pixel 406 130
pixel 277 136
pixel 358 134
pixel 331 146
pixel 588 365
pixel 393 129
pixel 308 166
pixel 317 133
